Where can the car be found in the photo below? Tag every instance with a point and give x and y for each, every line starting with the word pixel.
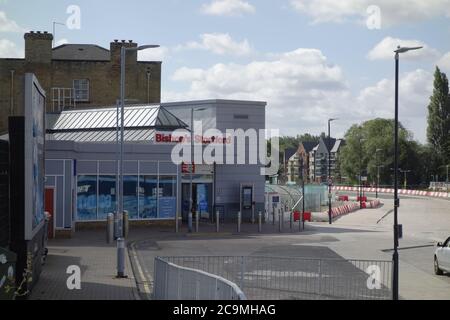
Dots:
pixel 442 258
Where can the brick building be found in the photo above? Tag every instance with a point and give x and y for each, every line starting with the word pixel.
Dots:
pixel 75 76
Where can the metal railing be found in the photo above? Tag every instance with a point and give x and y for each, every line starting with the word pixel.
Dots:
pixel 174 282
pixel 279 278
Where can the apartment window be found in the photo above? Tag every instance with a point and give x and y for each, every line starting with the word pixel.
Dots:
pixel 81 89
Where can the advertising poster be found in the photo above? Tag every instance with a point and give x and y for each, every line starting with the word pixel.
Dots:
pixel 34 155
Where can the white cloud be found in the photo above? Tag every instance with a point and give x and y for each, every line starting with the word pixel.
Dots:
pixel 444 62
pixel 303 89
pixel 392 12
pixel 385 49
pixel 8 25
pixel 8 49
pixel 219 43
pixel 415 88
pixel 155 54
pixel 228 8
pixel 300 86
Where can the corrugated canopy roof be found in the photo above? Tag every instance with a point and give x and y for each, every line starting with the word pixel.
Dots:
pixel 99 125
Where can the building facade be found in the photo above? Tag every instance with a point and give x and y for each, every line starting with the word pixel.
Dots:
pixel 318 160
pixel 81 165
pixel 76 76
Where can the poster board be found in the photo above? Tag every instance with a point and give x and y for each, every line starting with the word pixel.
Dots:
pixel 35 99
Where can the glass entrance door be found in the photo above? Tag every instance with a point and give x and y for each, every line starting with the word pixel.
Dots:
pixel 202 199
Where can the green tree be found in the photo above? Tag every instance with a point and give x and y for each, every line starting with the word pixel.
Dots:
pixel 438 131
pixel 360 153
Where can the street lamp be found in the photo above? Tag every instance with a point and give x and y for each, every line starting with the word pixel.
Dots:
pixel 120 240
pixel 54 30
pixel 360 172
pixel 329 169
pixel 192 166
pixel 395 280
pixel 378 171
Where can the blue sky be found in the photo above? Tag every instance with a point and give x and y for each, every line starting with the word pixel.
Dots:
pixel 309 59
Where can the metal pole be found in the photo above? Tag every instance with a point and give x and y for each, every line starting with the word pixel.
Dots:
pixel 217 221
pixel 395 277
pixel 280 219
pixel 360 168
pixel 329 173
pixel 291 219
pixel 120 240
pixel 121 258
pixel 110 228
pixel 273 214
pixel 239 222
pixel 260 222
pixel 197 221
pixel 190 221
pixel 302 222
pixel 192 161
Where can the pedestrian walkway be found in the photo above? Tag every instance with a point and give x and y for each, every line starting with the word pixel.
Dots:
pixel 97 262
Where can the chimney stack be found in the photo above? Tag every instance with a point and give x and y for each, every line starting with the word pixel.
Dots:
pixel 115 52
pixel 38 47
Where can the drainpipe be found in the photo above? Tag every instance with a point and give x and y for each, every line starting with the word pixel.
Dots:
pixel 11 108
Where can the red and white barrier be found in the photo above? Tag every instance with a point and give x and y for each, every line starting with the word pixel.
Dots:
pixel 432 194
pixel 345 209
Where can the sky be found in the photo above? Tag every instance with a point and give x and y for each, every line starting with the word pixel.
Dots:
pixel 310 60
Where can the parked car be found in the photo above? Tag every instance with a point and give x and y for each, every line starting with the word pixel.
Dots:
pixel 442 258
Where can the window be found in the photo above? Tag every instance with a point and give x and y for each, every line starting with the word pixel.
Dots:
pixel 81 89
pixel 168 197
pixel 87 198
pixel 147 197
pixel 130 199
pixel 106 196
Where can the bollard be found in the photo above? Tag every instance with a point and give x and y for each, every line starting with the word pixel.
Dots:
pixel 253 215
pixel 280 221
pixel 273 215
pixel 217 221
pixel 197 221
pixel 239 222
pixel 126 224
pixel 291 218
pixel 110 228
pixel 190 221
pixel 121 258
pixel 260 222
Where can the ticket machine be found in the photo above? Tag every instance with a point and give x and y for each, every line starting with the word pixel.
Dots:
pixel 247 203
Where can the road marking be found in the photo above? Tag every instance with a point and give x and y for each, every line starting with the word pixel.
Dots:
pixel 144 280
pixel 387 213
pixel 412 247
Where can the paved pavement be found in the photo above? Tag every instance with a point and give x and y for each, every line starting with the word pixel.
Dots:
pixel 365 234
pixel 97 262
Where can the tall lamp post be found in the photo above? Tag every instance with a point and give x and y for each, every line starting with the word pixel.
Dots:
pixel 192 163
pixel 329 169
pixel 378 171
pixel 360 172
pixel 120 240
pixel 395 280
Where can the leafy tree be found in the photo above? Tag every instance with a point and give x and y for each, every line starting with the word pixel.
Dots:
pixel 362 143
pixel 438 131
